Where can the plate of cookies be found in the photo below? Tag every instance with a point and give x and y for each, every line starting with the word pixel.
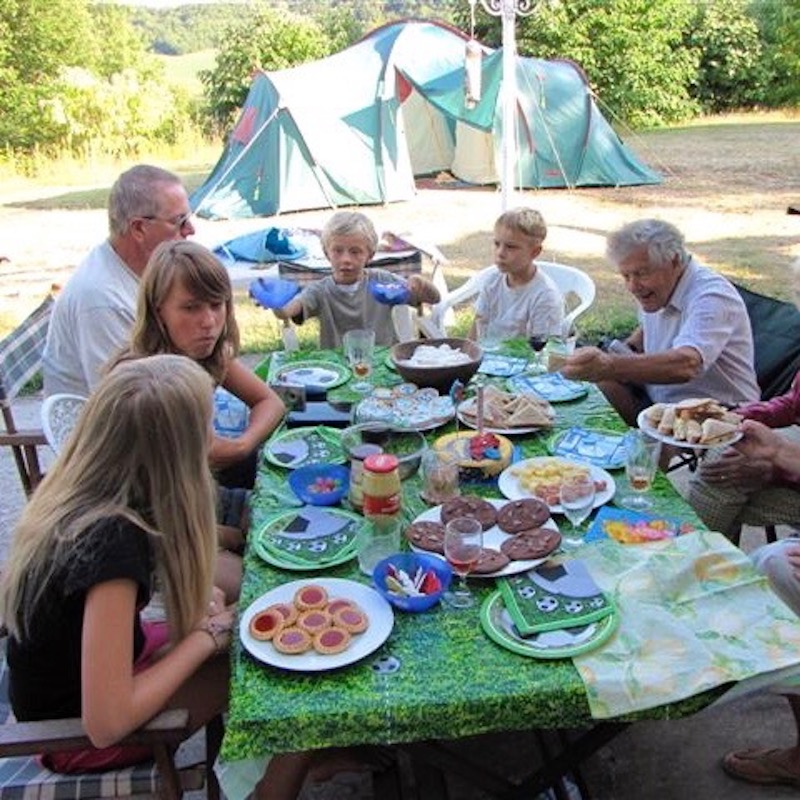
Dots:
pixel 517 535
pixel 313 626
pixel 697 422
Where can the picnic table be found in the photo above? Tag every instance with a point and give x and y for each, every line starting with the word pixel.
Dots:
pixel 694 619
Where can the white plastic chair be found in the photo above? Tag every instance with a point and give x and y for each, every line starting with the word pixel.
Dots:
pixel 576 286
pixel 59 414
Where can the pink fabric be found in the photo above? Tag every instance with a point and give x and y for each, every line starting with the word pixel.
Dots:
pixel 156 635
pixel 779 412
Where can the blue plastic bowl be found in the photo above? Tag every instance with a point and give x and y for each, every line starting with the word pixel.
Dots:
pixel 305 483
pixel 410 563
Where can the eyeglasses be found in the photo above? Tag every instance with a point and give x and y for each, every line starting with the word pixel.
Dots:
pixel 177 222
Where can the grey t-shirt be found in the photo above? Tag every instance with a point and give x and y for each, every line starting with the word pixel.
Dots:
pixel 344 308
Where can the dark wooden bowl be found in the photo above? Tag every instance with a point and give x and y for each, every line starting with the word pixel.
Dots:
pixel 438 377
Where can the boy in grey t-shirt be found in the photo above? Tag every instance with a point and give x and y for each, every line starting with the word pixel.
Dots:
pixel 343 301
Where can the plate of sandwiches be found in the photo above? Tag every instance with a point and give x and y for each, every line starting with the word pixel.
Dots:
pixel 697 422
pixel 508 412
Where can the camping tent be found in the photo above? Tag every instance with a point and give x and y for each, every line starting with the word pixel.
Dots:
pixel 356 127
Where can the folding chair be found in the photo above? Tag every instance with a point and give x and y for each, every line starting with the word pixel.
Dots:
pixel 22 774
pixel 20 359
pixel 776 347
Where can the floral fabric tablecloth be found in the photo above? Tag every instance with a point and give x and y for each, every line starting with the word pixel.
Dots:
pixel 694 614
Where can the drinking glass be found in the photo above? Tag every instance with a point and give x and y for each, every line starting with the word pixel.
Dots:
pixel 463 542
pixel 489 335
pixel 577 501
pixel 641 463
pixel 358 349
pixel 559 349
pixel 537 341
pixel 439 476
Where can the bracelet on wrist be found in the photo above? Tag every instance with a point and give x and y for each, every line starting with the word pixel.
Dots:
pixel 214 631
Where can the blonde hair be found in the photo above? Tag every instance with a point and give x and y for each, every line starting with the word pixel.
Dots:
pixel 350 223
pixel 137 452
pixel 202 275
pixel 525 220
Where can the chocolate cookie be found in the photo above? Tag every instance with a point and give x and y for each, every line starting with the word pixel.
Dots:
pixel 536 543
pixel 490 561
pixel 469 505
pixel 522 515
pixel 427 536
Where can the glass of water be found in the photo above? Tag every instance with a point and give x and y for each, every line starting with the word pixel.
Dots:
pixel 577 501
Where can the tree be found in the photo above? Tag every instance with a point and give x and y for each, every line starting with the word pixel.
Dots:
pixel 779 27
pixel 37 39
pixel 731 73
pixel 631 50
pixel 264 39
pixel 79 78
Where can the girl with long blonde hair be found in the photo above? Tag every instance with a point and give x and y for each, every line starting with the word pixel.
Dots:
pixel 123 506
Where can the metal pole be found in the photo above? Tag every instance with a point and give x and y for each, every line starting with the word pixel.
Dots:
pixel 508 10
pixel 509 140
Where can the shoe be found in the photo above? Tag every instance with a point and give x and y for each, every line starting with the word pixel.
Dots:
pixel 762 766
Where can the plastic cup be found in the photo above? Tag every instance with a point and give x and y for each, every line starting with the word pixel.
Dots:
pixel 379 539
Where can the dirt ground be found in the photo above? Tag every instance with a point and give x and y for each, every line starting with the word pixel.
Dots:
pixel 727 186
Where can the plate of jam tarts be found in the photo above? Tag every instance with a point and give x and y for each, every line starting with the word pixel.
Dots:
pixel 316 625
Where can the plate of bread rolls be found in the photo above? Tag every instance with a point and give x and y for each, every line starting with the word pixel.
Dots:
pixel 697 422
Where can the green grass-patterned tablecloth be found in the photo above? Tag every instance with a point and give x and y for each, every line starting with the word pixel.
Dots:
pixel 452 680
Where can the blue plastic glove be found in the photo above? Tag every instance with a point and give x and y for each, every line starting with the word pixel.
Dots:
pixel 391 294
pixel 273 292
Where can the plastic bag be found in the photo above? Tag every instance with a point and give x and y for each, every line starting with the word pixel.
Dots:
pixel 391 294
pixel 273 292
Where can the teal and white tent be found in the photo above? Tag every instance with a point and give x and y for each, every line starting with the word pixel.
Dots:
pixel 356 127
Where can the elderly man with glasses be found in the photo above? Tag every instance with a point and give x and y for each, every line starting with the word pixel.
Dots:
pixel 94 313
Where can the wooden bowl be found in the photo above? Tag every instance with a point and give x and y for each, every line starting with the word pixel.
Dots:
pixel 438 377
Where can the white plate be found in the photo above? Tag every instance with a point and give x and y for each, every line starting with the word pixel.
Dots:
pixel 470 423
pixel 493 538
pixel 509 486
pixel 418 409
pixel 381 620
pixel 650 430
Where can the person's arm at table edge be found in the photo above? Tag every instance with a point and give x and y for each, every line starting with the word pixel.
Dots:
pixel 777 412
pixel 266 413
pixel 678 365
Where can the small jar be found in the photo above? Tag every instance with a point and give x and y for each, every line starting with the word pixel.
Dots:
pixel 357 456
pixel 380 486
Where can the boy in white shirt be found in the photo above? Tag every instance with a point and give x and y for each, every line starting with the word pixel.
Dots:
pixel 516 297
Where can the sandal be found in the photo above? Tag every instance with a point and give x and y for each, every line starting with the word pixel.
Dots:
pixel 761 766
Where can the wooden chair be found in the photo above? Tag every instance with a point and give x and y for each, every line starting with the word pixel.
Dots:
pixel 20 359
pixel 22 775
